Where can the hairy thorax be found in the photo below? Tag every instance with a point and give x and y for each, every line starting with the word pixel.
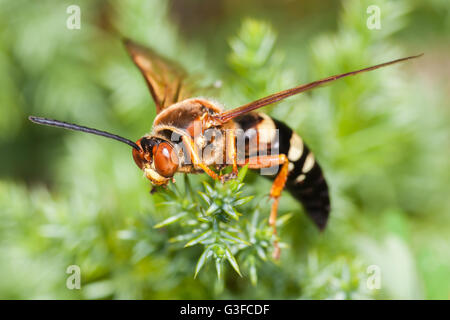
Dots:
pixel 194 118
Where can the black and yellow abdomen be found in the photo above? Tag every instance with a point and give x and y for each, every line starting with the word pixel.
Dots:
pixel 305 181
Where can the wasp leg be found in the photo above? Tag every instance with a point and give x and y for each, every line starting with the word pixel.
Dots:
pixel 231 155
pixel 193 151
pixel 231 150
pixel 277 187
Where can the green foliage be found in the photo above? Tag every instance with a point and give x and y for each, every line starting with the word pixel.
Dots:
pixel 211 218
pixel 257 66
pixel 209 225
pixel 341 279
pixel 382 139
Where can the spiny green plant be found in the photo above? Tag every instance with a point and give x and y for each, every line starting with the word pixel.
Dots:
pixel 212 218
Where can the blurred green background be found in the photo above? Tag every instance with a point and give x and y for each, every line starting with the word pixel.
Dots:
pixel 383 140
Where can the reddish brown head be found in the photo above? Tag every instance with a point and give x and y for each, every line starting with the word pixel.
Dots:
pixel 157 158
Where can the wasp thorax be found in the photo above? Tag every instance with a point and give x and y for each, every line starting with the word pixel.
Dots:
pixel 157 158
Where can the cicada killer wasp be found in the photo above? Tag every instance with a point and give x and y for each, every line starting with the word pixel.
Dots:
pixel 178 140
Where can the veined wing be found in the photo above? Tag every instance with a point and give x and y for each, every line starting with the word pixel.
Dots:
pixel 166 80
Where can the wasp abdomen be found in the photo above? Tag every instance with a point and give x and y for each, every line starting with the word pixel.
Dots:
pixel 305 181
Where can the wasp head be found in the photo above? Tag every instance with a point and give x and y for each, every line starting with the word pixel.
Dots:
pixel 157 158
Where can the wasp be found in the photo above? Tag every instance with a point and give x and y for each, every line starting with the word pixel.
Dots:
pixel 185 127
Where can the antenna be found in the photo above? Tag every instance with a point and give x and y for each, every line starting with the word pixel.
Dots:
pixel 75 127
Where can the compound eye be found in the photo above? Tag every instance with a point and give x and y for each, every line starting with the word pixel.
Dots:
pixel 165 159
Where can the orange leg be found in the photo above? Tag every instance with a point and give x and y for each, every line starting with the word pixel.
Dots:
pixel 193 151
pixel 231 149
pixel 277 186
pixel 231 154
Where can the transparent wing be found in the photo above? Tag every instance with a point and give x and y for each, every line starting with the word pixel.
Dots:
pixel 233 113
pixel 166 80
